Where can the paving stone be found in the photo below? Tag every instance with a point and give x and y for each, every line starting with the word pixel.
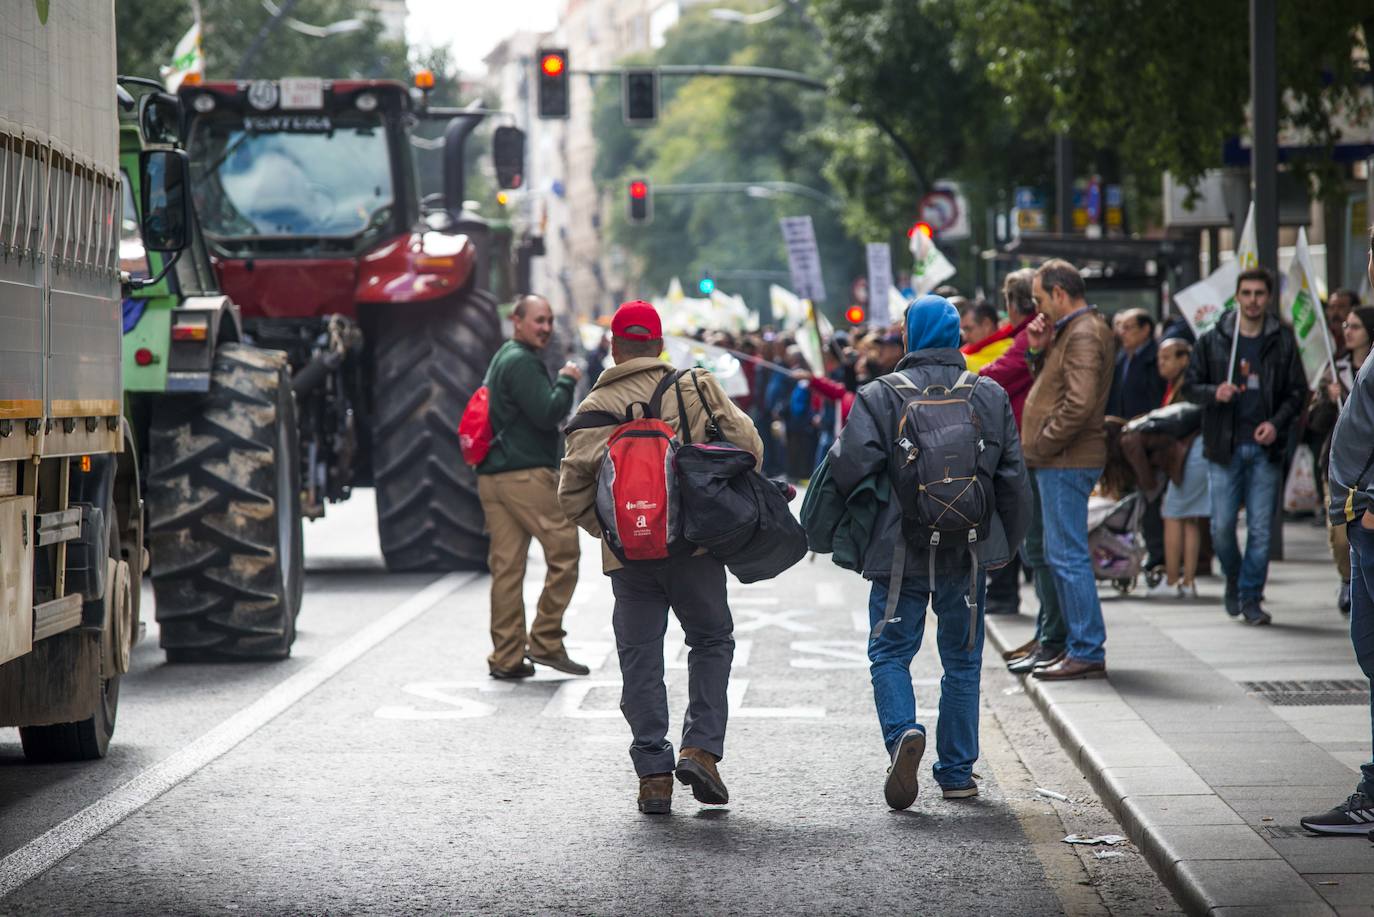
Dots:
pixel 1240 883
pixel 1207 842
pixel 1152 781
pixel 1313 854
pixel 1264 910
pixel 1285 807
pixel 1168 811
pixel 1352 894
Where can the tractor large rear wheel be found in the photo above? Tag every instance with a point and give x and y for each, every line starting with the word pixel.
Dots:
pixel 427 367
pixel 224 519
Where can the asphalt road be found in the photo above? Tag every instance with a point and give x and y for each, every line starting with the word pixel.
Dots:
pixel 379 770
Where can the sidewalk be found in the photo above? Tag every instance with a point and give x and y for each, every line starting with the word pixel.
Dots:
pixel 1207 745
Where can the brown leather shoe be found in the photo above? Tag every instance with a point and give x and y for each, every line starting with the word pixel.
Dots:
pixel 656 794
pixel 697 768
pixel 1025 649
pixel 1069 668
pixel 560 662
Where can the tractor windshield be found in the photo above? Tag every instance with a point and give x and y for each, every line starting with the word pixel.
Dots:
pixel 300 178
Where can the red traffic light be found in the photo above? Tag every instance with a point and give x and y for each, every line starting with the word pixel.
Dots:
pixel 553 64
pixel 639 189
pixel 923 228
pixel 854 315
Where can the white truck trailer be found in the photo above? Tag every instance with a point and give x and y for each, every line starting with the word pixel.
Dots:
pixel 71 520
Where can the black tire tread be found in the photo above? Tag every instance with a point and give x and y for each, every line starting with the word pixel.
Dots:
pixel 426 369
pixel 212 513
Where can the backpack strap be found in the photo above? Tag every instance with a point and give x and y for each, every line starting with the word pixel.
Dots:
pixel 894 587
pixel 712 425
pixel 585 420
pixel 901 385
pixel 655 402
pixel 684 424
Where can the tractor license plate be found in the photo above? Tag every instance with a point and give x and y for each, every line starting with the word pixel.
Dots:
pixel 299 93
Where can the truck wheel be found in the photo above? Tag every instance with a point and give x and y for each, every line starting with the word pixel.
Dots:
pixel 224 518
pixel 427 367
pixel 88 739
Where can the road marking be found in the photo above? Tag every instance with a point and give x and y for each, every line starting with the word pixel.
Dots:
pixel 829 594
pixel 567 701
pixel 829 654
pixel 445 692
pixel 734 693
pixel 64 838
pixel 758 620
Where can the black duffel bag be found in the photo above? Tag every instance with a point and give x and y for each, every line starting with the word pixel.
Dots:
pixel 730 509
pixel 1180 419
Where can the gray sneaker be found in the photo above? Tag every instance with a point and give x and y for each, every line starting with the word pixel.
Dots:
pixel 960 792
pixel 1253 614
pixel 901 787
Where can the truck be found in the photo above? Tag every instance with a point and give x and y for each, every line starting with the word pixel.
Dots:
pixel 71 515
pixel 310 209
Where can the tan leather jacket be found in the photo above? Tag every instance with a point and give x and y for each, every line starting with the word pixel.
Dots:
pixel 1061 426
pixel 615 389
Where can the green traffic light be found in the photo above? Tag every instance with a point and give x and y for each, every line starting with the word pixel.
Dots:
pixel 706 286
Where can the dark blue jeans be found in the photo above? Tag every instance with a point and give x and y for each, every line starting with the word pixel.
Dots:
pixel 890 655
pixel 1064 504
pixel 1050 628
pixel 1253 479
pixel 1362 622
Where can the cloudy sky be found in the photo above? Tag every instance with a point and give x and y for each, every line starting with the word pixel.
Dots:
pixel 473 27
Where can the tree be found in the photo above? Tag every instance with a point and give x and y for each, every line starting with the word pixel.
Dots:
pixel 148 30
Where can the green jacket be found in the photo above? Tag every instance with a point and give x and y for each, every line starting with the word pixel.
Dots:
pixel 526 411
pixel 844 527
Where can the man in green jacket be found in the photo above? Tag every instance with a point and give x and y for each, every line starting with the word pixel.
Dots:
pixel 518 486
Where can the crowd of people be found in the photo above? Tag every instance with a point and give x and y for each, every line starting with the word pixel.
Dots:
pixel 1077 403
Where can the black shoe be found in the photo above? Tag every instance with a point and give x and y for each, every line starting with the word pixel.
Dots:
pixel 523 670
pixel 561 663
pixel 1253 614
pixel 1037 660
pixel 1354 816
pixel 1232 598
pixel 1343 598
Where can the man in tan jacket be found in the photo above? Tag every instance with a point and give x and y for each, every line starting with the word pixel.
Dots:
pixel 1072 353
pixel 693 585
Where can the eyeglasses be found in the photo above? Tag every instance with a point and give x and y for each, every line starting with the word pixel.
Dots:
pixel 1348 325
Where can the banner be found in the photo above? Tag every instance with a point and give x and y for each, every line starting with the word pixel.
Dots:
pixel 789 311
pixel 1247 251
pixel 932 268
pixel 809 341
pixel 1204 302
pixel 879 257
pixel 686 353
pixel 1300 307
pixel 188 61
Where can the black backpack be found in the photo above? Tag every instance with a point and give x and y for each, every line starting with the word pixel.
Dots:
pixel 939 479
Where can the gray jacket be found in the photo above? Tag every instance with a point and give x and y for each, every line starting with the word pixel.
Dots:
pixel 867 441
pixel 1351 472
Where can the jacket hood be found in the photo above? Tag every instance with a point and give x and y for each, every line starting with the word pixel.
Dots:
pixel 931 322
pixel 950 356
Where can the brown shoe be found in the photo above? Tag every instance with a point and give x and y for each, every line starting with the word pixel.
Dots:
pixel 1068 668
pixel 561 663
pixel 697 768
pixel 1022 651
pixel 656 794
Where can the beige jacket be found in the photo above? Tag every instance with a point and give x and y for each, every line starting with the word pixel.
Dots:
pixel 616 388
pixel 1061 424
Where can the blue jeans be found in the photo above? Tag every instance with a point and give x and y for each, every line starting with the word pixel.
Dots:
pixel 1253 479
pixel 1362 622
pixel 890 655
pixel 1064 504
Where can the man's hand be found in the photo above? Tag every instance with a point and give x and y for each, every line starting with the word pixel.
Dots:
pixel 1225 392
pixel 1266 433
pixel 1039 333
pixel 1334 392
pixel 1367 520
pixel 571 370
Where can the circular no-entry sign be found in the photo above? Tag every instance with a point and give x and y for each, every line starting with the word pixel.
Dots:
pixel 940 209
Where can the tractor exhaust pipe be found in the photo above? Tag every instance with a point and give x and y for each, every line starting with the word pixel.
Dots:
pixel 455 181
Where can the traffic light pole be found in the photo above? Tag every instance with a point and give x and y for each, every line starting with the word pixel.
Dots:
pixel 785 76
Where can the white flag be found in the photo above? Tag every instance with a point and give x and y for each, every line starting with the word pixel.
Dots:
pixel 188 61
pixel 686 353
pixel 789 311
pixel 932 268
pixel 1247 250
pixel 1203 303
pixel 809 341
pixel 1301 308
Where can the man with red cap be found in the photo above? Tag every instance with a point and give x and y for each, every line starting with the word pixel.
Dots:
pixel 693 585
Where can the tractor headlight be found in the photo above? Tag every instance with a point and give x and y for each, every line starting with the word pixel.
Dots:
pixel 205 102
pixel 366 102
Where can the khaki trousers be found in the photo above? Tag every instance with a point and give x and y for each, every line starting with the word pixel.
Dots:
pixel 521 505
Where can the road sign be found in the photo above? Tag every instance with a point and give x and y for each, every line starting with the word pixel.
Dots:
pixel 946 210
pixel 879 280
pixel 803 257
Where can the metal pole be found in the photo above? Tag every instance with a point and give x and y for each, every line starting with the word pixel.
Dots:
pixel 1063 183
pixel 1264 102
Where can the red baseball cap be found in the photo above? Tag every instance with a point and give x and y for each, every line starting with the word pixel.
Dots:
pixel 636 313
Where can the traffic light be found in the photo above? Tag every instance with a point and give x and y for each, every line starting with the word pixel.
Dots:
pixel 854 315
pixel 552 82
pixel 508 156
pixel 640 205
pixel 923 228
pixel 639 96
pixel 706 285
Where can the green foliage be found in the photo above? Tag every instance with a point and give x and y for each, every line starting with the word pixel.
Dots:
pixel 714 129
pixel 148 30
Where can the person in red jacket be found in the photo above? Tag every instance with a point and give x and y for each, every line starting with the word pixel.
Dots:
pixel 1010 370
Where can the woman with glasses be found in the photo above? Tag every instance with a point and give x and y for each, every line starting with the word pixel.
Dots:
pixel 1357 333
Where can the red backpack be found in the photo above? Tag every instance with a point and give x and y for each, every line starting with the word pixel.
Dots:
pixel 637 500
pixel 474 427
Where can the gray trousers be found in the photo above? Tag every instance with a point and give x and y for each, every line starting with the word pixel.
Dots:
pixel 695 588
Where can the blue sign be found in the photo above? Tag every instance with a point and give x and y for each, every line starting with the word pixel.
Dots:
pixel 1029 199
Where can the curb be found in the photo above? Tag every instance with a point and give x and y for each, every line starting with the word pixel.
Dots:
pixel 1125 762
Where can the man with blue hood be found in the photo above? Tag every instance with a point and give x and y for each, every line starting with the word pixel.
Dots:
pixel 909 571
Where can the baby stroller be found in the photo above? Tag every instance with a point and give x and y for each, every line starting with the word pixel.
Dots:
pixel 1115 540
